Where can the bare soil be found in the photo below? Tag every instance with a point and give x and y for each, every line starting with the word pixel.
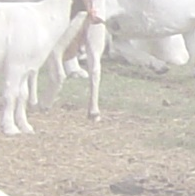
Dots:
pixel 69 155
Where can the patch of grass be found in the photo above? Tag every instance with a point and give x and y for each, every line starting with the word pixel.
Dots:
pixel 138 91
pixel 75 91
pixel 165 100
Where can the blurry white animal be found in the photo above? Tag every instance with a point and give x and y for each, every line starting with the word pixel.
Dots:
pixel 29 32
pixel 170 49
pixel 140 19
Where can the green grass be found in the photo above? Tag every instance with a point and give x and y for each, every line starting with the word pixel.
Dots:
pixel 137 91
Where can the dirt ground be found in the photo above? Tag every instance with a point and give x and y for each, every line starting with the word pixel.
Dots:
pixel 70 155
